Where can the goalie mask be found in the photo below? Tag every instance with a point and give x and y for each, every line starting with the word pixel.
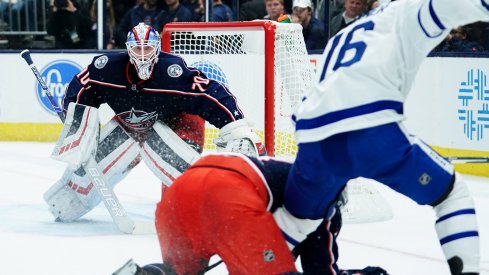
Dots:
pixel 143 45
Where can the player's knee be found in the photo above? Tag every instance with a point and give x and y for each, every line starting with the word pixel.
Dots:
pixel 457 197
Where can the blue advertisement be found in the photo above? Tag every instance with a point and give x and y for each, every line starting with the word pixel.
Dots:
pixel 57 76
pixel 473 112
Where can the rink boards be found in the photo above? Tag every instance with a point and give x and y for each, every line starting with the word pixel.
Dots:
pixel 448 105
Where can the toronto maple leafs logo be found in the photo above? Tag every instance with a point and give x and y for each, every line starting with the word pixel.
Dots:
pixel 137 120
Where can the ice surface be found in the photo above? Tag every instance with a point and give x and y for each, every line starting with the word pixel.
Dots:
pixel 31 243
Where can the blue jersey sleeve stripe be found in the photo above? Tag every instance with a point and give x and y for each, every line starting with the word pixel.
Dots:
pixel 457 236
pixel 329 118
pixel 435 17
pixel 456 213
pixel 485 5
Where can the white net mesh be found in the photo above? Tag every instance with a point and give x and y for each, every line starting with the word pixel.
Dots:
pixel 235 56
pixel 293 79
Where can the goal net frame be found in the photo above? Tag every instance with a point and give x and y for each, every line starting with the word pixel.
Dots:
pixel 273 137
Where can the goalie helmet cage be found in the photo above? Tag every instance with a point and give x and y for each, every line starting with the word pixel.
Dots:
pixel 264 64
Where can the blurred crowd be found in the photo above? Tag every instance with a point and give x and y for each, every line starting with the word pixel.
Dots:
pixel 72 24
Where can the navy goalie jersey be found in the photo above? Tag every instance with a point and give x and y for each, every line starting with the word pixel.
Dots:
pixel 172 89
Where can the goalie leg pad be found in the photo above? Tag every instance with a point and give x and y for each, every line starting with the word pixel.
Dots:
pixel 74 194
pixel 63 202
pixel 166 154
pixel 457 229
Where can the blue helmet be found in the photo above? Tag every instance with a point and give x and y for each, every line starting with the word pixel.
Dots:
pixel 143 46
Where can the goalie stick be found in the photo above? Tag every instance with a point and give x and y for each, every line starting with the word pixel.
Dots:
pixel 111 202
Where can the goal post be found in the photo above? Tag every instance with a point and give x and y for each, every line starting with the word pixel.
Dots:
pixel 264 63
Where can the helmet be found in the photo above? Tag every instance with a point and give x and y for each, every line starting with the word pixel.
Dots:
pixel 143 45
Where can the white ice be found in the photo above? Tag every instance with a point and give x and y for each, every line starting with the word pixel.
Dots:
pixel 32 243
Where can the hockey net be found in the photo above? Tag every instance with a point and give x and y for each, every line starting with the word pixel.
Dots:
pixel 266 66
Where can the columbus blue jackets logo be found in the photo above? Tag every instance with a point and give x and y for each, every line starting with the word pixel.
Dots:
pixel 101 62
pixel 175 70
pixel 57 76
pixel 137 120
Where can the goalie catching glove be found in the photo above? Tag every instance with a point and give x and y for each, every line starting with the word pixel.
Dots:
pixel 238 137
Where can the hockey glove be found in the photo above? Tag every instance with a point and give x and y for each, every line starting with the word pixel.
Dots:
pixel 238 137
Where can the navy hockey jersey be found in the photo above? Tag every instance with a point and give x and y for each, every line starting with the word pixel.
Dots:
pixel 172 89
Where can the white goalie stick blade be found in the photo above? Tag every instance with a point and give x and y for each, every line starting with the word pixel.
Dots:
pixel 111 202
pixel 365 203
pixel 144 228
pixel 123 222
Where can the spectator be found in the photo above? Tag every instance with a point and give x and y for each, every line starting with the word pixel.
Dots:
pixel 122 6
pixel 221 12
pixel 14 14
pixel 173 13
pixel 145 12
pixel 69 25
pixel 108 28
pixel 372 4
pixel 335 7
pixel 274 9
pixel 478 32
pixel 353 11
pixel 312 28
pixel 251 10
pixel 459 41
pixel 196 7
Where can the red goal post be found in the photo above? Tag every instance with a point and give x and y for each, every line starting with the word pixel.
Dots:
pixel 264 63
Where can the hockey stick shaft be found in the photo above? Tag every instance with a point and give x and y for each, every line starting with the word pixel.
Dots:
pixel 26 55
pixel 460 160
pixel 111 202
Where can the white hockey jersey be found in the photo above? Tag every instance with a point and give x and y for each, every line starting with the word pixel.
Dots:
pixel 367 69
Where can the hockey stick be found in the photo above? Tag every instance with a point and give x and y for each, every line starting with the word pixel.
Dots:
pixel 460 160
pixel 111 202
